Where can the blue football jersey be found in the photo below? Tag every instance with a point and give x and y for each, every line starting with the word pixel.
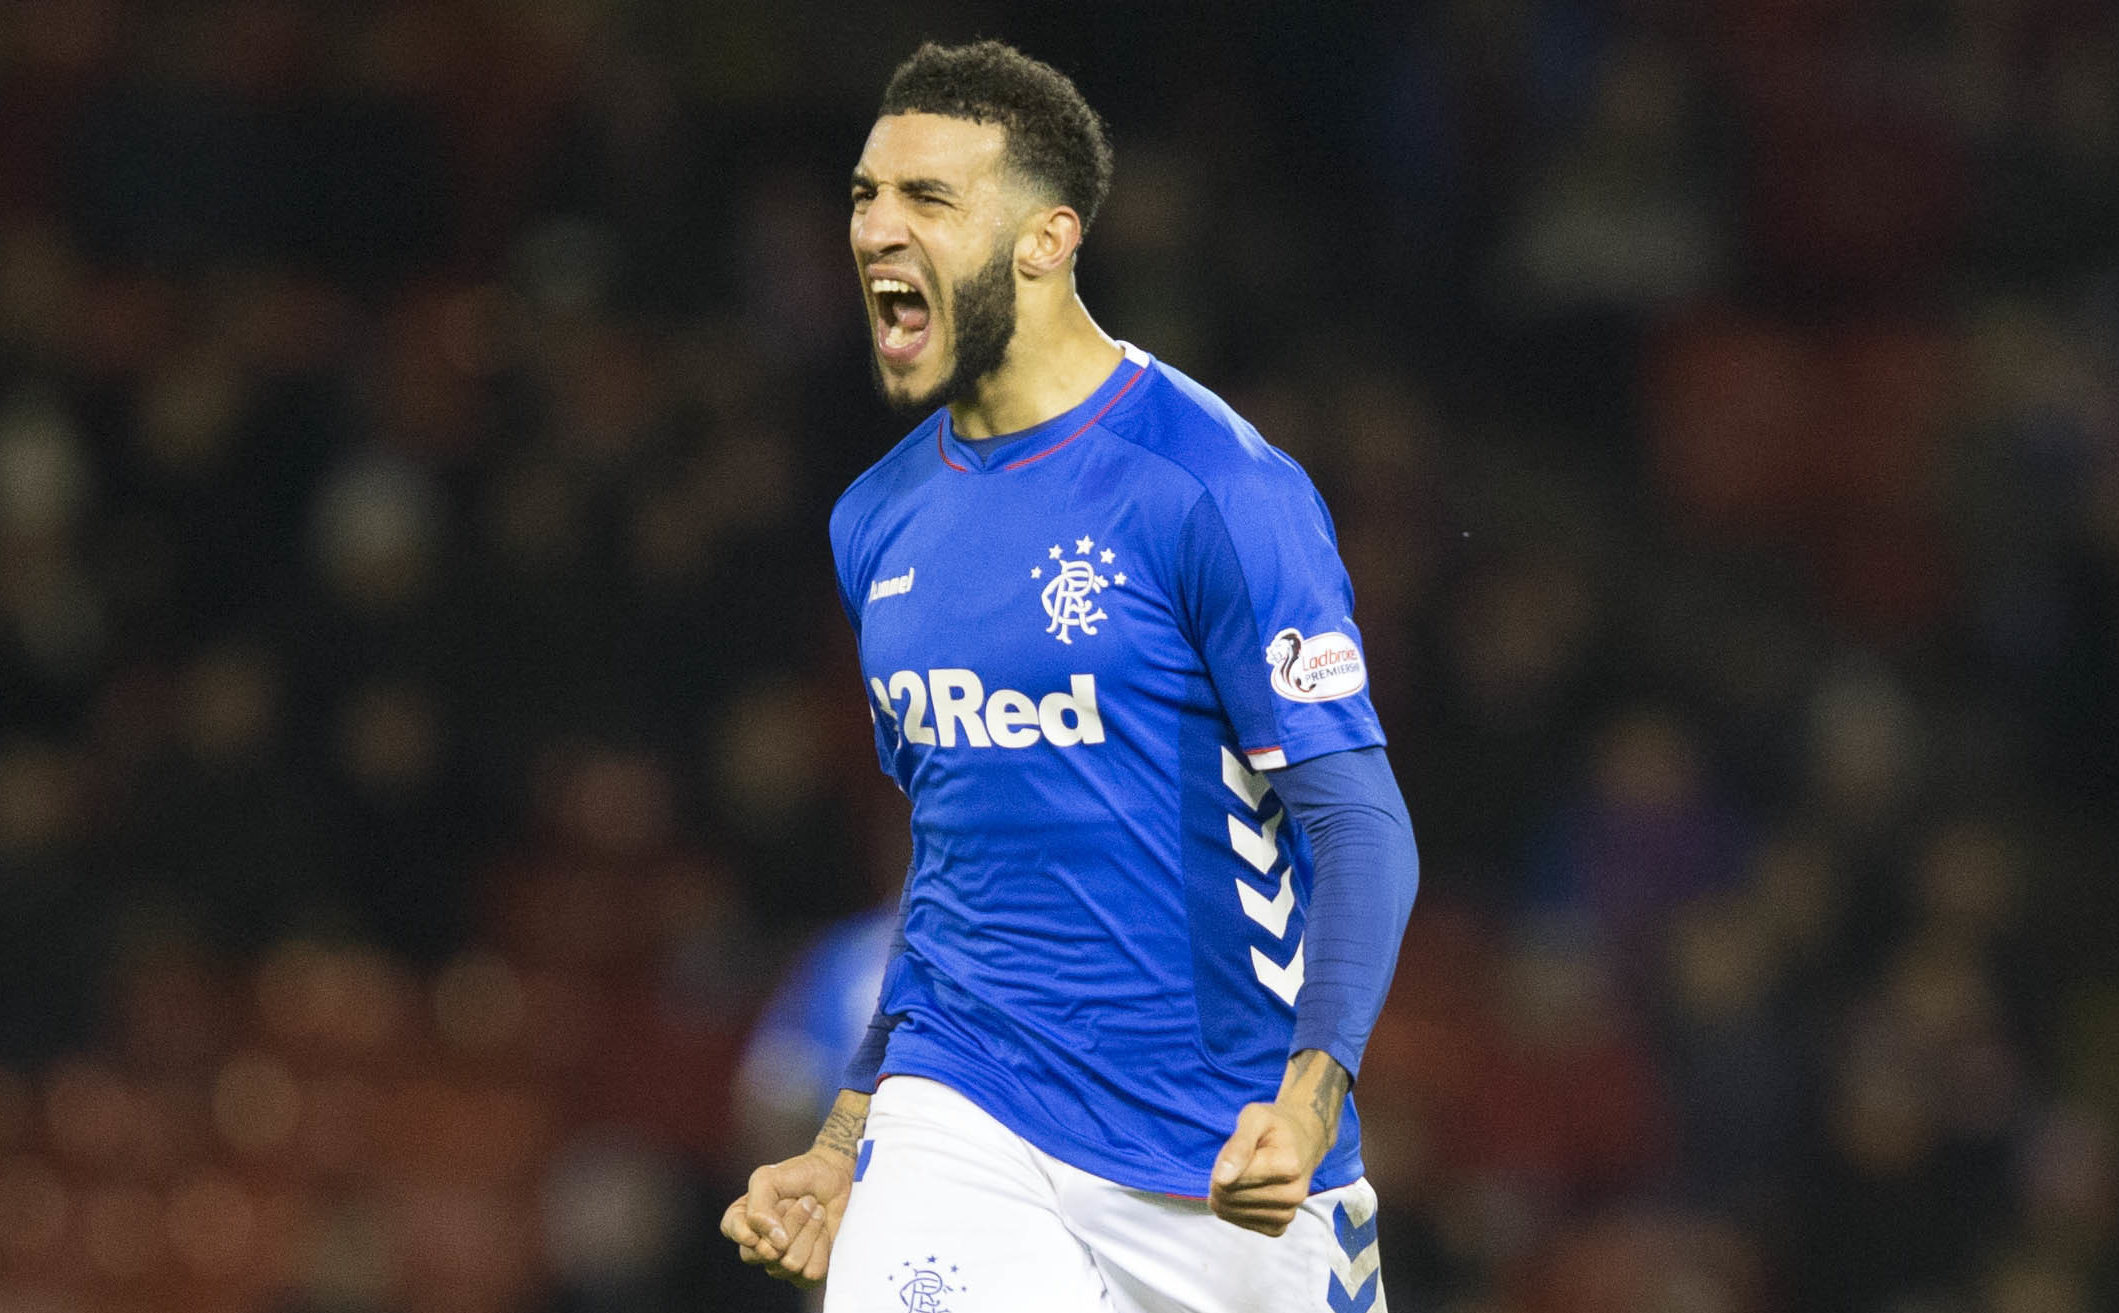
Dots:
pixel 1084 644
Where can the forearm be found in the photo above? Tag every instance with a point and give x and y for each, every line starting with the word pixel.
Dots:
pixel 1367 871
pixel 1314 1086
pixel 843 1125
pixel 864 1067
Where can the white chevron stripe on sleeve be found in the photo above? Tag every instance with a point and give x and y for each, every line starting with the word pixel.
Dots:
pixel 1286 981
pixel 1245 783
pixel 1261 848
pixel 1272 913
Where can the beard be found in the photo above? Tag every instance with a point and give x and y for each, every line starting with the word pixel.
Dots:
pixel 982 323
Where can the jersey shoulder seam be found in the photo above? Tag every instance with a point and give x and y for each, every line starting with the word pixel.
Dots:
pixel 1219 491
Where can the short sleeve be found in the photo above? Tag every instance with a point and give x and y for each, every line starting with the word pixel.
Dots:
pixel 1271 611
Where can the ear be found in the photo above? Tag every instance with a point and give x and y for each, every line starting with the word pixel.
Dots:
pixel 1047 241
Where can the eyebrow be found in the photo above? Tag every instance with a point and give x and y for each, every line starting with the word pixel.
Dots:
pixel 917 186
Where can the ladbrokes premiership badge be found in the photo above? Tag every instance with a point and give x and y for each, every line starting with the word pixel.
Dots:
pixel 1317 668
pixel 1069 596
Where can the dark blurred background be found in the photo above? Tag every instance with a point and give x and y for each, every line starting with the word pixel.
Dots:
pixel 427 732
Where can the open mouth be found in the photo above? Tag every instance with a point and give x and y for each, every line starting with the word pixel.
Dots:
pixel 902 319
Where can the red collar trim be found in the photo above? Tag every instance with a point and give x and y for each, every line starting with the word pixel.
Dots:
pixel 942 447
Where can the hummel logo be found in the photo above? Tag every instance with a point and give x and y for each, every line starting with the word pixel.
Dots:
pixel 891 587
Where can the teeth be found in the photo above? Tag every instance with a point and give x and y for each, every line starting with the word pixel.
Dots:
pixel 889 285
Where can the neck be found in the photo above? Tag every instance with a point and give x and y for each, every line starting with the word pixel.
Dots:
pixel 1055 361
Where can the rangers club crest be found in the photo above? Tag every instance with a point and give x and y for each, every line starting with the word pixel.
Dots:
pixel 924 1288
pixel 1069 595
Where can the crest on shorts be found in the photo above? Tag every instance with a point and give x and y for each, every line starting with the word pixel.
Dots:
pixel 922 1289
pixel 1071 582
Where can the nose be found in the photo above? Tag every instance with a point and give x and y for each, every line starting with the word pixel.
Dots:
pixel 879 226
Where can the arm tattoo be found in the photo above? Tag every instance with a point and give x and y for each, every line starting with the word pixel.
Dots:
pixel 1328 1096
pixel 841 1132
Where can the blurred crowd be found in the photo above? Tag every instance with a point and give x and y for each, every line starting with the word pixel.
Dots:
pixel 427 732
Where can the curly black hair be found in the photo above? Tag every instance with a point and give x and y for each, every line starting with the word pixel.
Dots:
pixel 1054 138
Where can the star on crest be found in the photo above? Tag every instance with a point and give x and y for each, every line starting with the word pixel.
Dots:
pixel 1105 556
pixel 1037 572
pixel 1082 545
pixel 1055 552
pixel 1119 578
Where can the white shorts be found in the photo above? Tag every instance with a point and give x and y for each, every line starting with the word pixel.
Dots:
pixel 952 1212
